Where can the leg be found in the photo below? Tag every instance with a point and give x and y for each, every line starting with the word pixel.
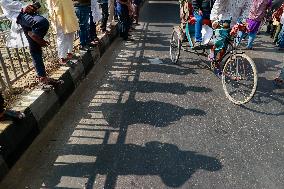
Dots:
pixel 239 38
pixel 198 27
pixel 279 81
pixel 93 29
pixel 268 29
pixel 69 42
pixel 252 36
pixel 115 12
pixel 105 15
pixel 61 43
pixel 123 14
pixel 277 32
pixel 83 14
pixel 281 38
pixel 36 53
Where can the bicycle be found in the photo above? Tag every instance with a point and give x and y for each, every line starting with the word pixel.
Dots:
pixel 238 70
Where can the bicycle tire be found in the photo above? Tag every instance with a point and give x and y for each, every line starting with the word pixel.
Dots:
pixel 226 74
pixel 175 53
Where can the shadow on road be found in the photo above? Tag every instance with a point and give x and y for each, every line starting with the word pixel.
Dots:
pixel 96 143
pixel 172 165
pixel 155 113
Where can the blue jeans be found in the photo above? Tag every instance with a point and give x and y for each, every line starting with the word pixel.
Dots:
pixel 105 15
pixel 83 14
pixel 252 36
pixel 39 26
pixel 281 38
pixel 198 25
pixel 123 20
pixel 93 30
pixel 282 74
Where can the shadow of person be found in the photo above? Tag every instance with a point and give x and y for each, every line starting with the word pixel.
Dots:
pixel 165 69
pixel 167 161
pixel 155 113
pixel 152 87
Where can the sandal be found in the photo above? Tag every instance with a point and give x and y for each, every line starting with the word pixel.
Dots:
pixel 72 56
pixel 12 115
pixel 67 63
pixel 95 42
pixel 55 82
pixel 48 84
pixel 45 87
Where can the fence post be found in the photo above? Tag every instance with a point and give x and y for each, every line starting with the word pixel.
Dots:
pixel 6 75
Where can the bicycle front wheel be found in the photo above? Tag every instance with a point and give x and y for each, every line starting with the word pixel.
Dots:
pixel 239 78
pixel 175 45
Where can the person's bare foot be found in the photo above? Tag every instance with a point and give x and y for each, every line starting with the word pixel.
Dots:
pixel 38 39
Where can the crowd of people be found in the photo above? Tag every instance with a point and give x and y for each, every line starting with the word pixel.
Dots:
pixel 245 17
pixel 66 18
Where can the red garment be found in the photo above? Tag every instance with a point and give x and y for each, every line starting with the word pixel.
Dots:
pixel 278 13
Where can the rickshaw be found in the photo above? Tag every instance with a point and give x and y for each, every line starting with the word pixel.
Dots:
pixel 236 69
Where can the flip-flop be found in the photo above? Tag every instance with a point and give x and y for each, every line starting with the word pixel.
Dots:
pixel 55 82
pixel 45 87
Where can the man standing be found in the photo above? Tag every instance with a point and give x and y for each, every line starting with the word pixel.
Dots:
pixel 256 15
pixel 35 27
pixel 202 10
pixel 65 23
pixel 105 14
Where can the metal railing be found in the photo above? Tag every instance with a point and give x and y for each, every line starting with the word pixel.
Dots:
pixel 17 62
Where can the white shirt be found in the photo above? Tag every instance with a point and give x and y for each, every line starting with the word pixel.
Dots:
pixel 230 10
pixel 282 19
pixel 11 9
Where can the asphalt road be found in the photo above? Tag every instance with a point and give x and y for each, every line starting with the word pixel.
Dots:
pixel 138 121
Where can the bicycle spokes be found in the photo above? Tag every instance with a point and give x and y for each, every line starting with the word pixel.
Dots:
pixel 239 78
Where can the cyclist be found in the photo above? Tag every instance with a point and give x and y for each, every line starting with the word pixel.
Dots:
pixel 225 14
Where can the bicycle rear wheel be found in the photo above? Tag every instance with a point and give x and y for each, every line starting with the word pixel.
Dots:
pixel 239 78
pixel 175 46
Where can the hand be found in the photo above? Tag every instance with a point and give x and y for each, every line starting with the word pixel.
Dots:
pixel 200 12
pixel 46 43
pixel 29 9
pixel 215 24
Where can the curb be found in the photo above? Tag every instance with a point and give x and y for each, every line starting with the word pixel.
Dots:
pixel 39 107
